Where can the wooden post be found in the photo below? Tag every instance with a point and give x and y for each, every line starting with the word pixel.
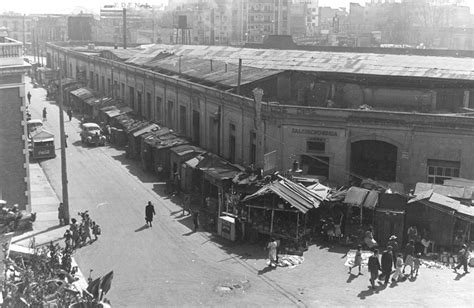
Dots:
pixel 297 224
pixel 271 222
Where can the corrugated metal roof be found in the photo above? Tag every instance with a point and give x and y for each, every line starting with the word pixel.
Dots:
pixel 186 149
pixel 214 166
pixel 201 69
pixel 116 110
pixel 295 194
pixel 445 190
pixel 161 139
pixel 317 61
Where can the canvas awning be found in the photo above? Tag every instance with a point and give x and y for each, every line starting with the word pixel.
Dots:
pixel 295 194
pixel 83 93
pixel 214 166
pixel 145 130
pixel 361 196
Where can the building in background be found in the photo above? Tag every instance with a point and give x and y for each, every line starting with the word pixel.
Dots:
pixel 80 27
pixel 18 27
pixel 311 18
pixel 14 174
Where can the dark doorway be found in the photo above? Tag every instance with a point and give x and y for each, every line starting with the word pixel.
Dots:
pixel 196 127
pixel 374 159
pixel 315 165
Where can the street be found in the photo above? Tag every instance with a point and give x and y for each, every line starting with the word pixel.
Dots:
pixel 169 265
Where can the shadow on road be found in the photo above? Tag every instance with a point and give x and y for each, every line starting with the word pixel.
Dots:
pixel 351 277
pixel 459 276
pixel 133 167
pixel 266 270
pixel 142 228
pixel 363 294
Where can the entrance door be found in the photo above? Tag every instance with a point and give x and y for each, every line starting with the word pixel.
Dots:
pixel 374 159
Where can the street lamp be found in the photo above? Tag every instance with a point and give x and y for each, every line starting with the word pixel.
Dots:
pixel 65 195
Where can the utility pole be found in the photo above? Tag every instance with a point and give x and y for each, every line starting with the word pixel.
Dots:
pixel 63 152
pixel 24 36
pixel 124 28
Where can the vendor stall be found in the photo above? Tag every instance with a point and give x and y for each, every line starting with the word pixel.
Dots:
pixel 81 100
pixel 180 154
pixel 107 114
pixel 279 209
pixel 42 145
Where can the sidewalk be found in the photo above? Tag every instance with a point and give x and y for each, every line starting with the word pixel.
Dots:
pixel 44 202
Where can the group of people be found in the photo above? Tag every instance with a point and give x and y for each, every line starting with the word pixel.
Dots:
pixel 391 259
pixel 80 234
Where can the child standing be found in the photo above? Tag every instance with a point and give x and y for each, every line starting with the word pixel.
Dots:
pixel 398 271
pixel 357 260
pixel 416 265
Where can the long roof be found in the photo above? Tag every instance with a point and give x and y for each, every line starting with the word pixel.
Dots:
pixel 436 67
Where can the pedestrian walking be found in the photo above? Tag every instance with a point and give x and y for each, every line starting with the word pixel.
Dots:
pixel 29 97
pixel 393 241
pixel 45 114
pixel 416 264
pixel 61 214
pixel 409 256
pixel 87 230
pixel 398 270
pixel 387 263
pixel 196 220
pixel 96 230
pixel 272 252
pixel 68 239
pixel 357 260
pixel 69 114
pixel 149 213
pixel 463 258
pixel 75 232
pixel 374 267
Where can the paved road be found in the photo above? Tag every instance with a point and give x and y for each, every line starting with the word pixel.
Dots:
pixel 170 265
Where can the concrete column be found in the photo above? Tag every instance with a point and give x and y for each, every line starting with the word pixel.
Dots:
pixel 466 99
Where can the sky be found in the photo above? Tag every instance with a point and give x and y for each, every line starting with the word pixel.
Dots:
pixel 67 6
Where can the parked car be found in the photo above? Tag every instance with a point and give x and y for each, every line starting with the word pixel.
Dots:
pixel 91 134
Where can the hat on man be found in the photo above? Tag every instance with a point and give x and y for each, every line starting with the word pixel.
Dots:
pixel 393 237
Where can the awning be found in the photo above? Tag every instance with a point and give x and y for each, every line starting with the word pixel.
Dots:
pixel 146 129
pixel 214 166
pixel 361 196
pixel 184 149
pixel 442 203
pixel 445 190
pixel 164 138
pixel 295 194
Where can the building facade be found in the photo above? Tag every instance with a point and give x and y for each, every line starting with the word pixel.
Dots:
pixel 14 174
pixel 340 125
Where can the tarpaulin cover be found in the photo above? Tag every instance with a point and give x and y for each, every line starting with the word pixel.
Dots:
pixel 214 166
pixel 356 195
pixel 295 194
pixel 444 204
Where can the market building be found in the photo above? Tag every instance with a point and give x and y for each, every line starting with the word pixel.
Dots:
pixel 342 116
pixel 14 174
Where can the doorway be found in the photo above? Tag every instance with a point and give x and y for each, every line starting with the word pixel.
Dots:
pixel 374 159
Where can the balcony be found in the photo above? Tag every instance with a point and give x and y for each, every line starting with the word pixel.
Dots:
pixel 11 52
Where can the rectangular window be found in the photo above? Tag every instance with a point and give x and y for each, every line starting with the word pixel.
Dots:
pixel 316 145
pixel 159 109
pixel 148 105
pixel 196 127
pixel 169 119
pixel 253 148
pixel 97 82
pixel 182 120
pixel 123 91
pixel 232 143
pixel 109 84
pixel 440 170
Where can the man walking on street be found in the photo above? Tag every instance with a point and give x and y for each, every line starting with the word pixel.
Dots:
pixel 196 220
pixel 69 114
pixel 387 263
pixel 374 267
pixel 29 97
pixel 149 212
pixel 463 258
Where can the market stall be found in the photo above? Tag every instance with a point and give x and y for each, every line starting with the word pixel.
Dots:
pixel 108 113
pixel 80 100
pixel 42 145
pixel 180 154
pixel 280 209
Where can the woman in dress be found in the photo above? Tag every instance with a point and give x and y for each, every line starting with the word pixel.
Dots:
pixel 357 260
pixel 272 252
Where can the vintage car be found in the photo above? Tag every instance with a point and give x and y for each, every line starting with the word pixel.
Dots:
pixel 91 134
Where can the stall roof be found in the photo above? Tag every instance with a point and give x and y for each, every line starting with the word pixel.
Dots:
pixel 161 140
pixel 295 194
pixel 116 110
pixel 184 149
pixel 361 196
pixel 446 190
pixel 43 135
pixel 214 166
pixel 146 129
pixel 83 93
pixel 436 200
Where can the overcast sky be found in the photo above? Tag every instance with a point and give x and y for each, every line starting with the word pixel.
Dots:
pixel 66 6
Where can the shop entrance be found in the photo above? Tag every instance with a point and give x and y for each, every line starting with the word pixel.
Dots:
pixel 374 159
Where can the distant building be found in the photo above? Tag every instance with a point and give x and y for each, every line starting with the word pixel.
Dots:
pixel 311 18
pixel 265 17
pixel 80 27
pixel 14 174
pixel 18 27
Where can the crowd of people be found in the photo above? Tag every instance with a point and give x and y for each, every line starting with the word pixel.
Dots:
pixel 80 234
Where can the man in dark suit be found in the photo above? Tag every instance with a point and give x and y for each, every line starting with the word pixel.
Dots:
pixel 387 263
pixel 149 212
